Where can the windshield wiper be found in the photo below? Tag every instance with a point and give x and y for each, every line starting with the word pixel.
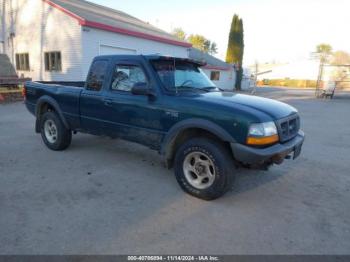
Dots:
pixel 208 88
pixel 191 88
pixel 185 88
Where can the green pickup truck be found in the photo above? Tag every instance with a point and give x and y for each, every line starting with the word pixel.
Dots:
pixel 169 105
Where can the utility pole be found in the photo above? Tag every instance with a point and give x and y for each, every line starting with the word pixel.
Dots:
pixel 3 26
pixel 255 77
pixel 323 51
pixel 319 79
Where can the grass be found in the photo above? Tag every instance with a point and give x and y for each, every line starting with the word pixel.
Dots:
pixel 302 83
pixel 5 90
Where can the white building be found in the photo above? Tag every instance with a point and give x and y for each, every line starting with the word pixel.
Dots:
pixel 56 40
pixel 302 69
pixel 222 74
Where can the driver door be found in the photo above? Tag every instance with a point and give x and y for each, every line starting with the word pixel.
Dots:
pixel 132 117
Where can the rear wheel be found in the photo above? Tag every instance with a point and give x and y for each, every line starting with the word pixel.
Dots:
pixel 204 168
pixel 53 132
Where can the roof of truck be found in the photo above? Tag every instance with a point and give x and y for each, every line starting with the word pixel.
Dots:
pixel 152 57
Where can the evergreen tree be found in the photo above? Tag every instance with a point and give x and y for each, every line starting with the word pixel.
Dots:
pixel 235 47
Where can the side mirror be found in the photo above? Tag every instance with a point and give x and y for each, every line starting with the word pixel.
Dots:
pixel 141 88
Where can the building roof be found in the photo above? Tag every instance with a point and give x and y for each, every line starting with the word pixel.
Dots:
pixel 211 61
pixel 104 18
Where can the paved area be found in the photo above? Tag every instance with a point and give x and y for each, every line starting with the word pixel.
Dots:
pixel 105 196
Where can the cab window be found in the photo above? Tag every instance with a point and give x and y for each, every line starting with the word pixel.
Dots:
pixel 126 76
pixel 97 75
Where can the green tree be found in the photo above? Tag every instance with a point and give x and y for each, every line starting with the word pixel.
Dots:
pixel 203 44
pixel 235 48
pixel 324 51
pixel 179 33
pixel 206 45
pixel 198 41
pixel 213 48
pixel 340 58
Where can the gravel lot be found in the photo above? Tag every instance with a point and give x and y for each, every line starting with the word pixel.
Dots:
pixel 105 196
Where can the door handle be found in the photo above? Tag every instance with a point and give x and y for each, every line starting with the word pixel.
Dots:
pixel 107 102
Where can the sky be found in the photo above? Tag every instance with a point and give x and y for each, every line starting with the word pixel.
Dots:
pixel 275 31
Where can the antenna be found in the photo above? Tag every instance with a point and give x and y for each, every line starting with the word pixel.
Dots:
pixel 174 60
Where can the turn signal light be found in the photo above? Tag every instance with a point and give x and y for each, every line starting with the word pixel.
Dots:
pixel 264 140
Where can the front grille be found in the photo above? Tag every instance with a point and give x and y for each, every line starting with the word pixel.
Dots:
pixel 288 127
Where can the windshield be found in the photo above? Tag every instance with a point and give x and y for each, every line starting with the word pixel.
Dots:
pixel 185 76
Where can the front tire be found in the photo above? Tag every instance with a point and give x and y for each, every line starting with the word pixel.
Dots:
pixel 204 168
pixel 53 132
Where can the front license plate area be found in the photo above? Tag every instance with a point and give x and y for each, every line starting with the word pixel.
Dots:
pixel 297 151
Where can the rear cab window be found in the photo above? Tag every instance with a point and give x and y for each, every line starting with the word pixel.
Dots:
pixel 97 75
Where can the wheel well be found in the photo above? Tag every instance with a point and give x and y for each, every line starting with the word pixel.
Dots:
pixel 187 134
pixel 44 107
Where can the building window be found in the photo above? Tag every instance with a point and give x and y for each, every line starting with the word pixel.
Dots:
pixel 215 75
pixel 96 76
pixel 22 62
pixel 53 61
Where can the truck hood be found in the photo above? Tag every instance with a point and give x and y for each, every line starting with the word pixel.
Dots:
pixel 275 109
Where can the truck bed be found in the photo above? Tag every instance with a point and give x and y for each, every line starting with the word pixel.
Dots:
pixel 63 83
pixel 65 94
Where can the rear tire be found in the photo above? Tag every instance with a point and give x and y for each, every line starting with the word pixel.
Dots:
pixel 53 132
pixel 204 168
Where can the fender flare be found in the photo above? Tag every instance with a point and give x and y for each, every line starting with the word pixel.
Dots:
pixel 192 123
pixel 52 102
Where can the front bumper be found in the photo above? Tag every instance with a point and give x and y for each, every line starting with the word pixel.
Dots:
pixel 275 153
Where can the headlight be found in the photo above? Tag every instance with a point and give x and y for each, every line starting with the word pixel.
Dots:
pixel 262 134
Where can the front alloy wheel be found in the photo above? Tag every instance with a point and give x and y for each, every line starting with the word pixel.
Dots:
pixel 204 168
pixel 199 170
